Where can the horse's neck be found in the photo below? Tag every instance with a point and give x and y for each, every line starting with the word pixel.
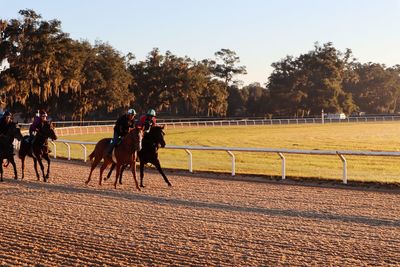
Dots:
pixel 41 138
pixel 129 140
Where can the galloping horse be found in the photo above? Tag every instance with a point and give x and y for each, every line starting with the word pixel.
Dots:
pixel 123 154
pixel 151 142
pixel 38 150
pixel 6 147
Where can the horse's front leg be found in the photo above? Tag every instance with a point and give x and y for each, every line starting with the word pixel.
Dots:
pixel 141 167
pixel 133 168
pixel 117 171
pixel 47 158
pixel 35 167
pixel 110 172
pixel 158 166
pixel 42 168
pixel 1 171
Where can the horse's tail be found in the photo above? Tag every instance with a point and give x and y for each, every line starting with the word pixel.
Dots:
pixel 91 156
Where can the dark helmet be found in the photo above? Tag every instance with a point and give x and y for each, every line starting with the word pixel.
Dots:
pixel 7 114
pixel 151 112
pixel 42 113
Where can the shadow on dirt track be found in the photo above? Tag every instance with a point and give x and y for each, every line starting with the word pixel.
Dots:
pixel 137 196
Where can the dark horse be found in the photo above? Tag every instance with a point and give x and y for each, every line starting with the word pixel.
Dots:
pixel 38 150
pixel 152 141
pixel 6 147
pixel 123 154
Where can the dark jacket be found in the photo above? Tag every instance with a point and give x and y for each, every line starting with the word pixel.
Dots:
pixel 122 125
pixel 3 125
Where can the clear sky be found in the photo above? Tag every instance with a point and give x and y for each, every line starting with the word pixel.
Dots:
pixel 259 31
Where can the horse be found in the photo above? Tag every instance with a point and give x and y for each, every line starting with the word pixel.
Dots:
pixel 123 154
pixel 38 150
pixel 151 142
pixel 6 147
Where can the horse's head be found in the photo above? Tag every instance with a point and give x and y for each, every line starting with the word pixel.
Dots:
pixel 157 135
pixel 48 130
pixel 15 131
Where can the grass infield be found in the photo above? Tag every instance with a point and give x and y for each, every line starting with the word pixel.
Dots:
pixel 346 136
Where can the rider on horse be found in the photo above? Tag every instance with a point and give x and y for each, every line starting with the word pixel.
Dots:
pixel 121 128
pixel 37 124
pixel 5 122
pixel 148 120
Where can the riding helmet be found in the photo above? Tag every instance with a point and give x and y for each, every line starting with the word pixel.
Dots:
pixel 131 112
pixel 151 112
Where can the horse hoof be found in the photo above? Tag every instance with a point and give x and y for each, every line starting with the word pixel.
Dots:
pixel 169 185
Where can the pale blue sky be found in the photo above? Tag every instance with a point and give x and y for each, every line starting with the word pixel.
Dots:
pixel 259 31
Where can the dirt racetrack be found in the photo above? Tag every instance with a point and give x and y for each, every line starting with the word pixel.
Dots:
pixel 200 221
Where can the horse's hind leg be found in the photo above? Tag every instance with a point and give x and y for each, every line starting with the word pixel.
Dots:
pixel 94 164
pixel 12 161
pixel 23 167
pixel 121 172
pixel 158 166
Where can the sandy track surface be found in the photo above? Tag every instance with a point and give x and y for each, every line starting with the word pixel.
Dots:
pixel 200 221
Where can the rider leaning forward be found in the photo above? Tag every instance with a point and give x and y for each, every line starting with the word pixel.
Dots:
pixel 121 128
pixel 37 124
pixel 148 120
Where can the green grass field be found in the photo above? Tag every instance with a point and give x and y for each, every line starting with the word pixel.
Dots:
pixel 366 136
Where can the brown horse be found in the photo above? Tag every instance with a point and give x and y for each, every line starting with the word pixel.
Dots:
pixel 151 142
pixel 38 150
pixel 7 149
pixel 123 154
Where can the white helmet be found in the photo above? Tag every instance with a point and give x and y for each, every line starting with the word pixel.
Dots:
pixel 131 111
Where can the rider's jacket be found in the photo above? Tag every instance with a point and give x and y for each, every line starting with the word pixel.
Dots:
pixel 146 119
pixel 3 125
pixel 36 125
pixel 122 125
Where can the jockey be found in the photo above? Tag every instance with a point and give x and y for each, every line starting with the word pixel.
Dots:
pixel 37 124
pixel 148 120
pixel 5 121
pixel 121 128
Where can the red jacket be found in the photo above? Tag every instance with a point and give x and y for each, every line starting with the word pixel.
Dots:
pixel 146 119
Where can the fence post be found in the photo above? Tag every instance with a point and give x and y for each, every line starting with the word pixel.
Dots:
pixel 283 165
pixel 69 150
pixel 344 168
pixel 84 152
pixel 54 149
pixel 233 161
pixel 190 160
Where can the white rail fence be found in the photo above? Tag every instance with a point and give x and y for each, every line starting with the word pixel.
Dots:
pixel 281 153
pixel 229 122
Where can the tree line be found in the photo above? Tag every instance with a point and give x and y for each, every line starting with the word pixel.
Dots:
pixel 42 67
